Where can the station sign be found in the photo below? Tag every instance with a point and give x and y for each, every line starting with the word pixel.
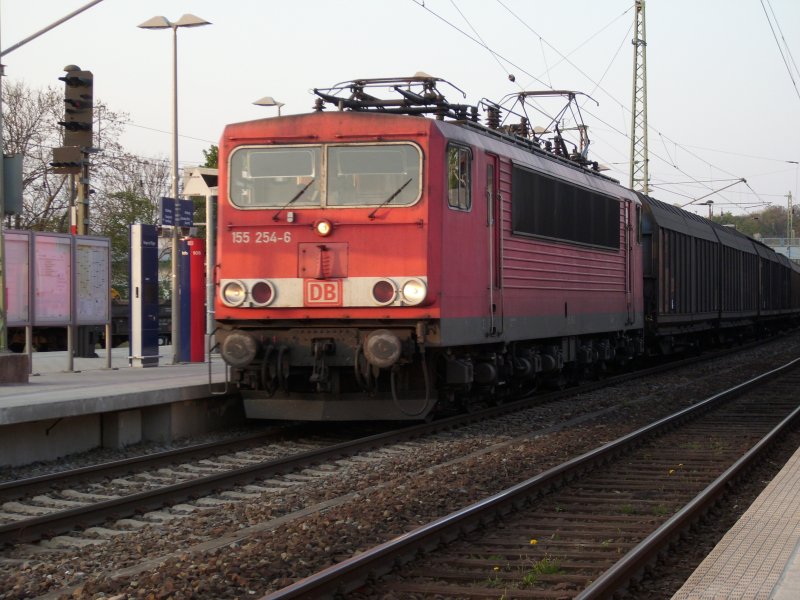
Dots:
pixel 185 212
pixel 176 212
pixel 166 211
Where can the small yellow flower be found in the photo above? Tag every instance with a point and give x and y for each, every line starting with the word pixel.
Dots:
pixel 671 471
pixel 497 568
pixel 680 465
pixel 534 541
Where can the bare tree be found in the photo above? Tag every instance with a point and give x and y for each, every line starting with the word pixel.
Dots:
pixel 124 172
pixel 30 128
pixel 127 192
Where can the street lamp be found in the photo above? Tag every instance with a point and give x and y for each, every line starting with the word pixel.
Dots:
pixel 186 20
pixel 269 101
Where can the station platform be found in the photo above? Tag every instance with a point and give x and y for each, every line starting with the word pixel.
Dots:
pixel 60 411
pixel 760 556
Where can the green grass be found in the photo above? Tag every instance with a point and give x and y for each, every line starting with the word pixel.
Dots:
pixel 545 566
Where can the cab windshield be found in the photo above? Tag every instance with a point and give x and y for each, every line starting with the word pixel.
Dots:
pixel 327 175
pixel 272 177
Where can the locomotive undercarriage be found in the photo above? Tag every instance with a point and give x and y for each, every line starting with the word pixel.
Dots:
pixel 390 371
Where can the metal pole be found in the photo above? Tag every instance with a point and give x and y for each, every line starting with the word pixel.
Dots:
pixel 3 320
pixel 82 199
pixel 108 345
pixel 49 27
pixel 211 219
pixel 176 305
pixel 70 348
pixel 29 346
pixel 639 177
pixel 160 22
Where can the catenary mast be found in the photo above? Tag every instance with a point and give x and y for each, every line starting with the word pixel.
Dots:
pixel 640 180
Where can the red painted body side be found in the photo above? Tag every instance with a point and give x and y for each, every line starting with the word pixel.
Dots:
pixel 478 269
pixel 562 279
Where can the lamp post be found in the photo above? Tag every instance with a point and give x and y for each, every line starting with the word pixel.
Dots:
pixel 186 20
pixel 269 101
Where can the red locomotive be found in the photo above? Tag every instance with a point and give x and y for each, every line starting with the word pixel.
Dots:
pixel 377 264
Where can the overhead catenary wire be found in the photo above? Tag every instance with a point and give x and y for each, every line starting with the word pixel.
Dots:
pixel 783 39
pixel 564 58
pixel 422 4
pixel 615 129
pixel 598 86
pixel 485 45
pixel 780 48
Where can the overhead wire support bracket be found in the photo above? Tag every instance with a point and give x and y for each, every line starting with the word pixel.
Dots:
pixel 740 180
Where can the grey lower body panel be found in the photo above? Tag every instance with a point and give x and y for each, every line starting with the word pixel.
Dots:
pixel 468 331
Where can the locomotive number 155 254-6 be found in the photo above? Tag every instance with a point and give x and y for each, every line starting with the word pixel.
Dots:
pixel 261 237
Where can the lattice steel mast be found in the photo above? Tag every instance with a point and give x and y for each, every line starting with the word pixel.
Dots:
pixel 640 179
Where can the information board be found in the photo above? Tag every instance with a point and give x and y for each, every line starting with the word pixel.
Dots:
pixel 92 281
pixel 18 277
pixel 52 279
pixel 40 279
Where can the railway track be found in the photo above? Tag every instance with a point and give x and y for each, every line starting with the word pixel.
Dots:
pixel 58 503
pixel 25 487
pixel 339 505
pixel 34 510
pixel 48 505
pixel 588 527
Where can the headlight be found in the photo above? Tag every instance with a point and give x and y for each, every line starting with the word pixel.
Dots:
pixel 233 293
pixel 323 227
pixel 384 292
pixel 262 293
pixel 414 291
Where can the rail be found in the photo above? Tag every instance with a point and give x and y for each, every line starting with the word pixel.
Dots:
pixel 350 574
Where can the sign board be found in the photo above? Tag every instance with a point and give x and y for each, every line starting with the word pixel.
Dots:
pixel 92 281
pixel 176 212
pixel 18 277
pixel 143 348
pixel 185 213
pixel 52 279
pixel 197 291
pixel 166 211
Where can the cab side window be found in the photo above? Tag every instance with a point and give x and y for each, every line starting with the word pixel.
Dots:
pixel 459 169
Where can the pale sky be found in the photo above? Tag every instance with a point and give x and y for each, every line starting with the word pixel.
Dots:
pixel 721 102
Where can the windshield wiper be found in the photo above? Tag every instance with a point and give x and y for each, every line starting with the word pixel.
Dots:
pixel 295 197
pixel 390 198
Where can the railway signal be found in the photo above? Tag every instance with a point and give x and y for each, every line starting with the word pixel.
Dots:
pixel 67 160
pixel 73 159
pixel 78 107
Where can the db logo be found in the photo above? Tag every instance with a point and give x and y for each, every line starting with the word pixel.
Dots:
pixel 322 293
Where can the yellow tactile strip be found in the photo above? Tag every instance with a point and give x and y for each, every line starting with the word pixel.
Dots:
pixel 750 560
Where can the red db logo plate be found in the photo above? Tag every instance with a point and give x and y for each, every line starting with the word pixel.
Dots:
pixel 322 293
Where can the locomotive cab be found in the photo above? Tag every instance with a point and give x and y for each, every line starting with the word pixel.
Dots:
pixel 324 276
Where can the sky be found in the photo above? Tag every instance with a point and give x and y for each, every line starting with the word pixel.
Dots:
pixel 722 104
